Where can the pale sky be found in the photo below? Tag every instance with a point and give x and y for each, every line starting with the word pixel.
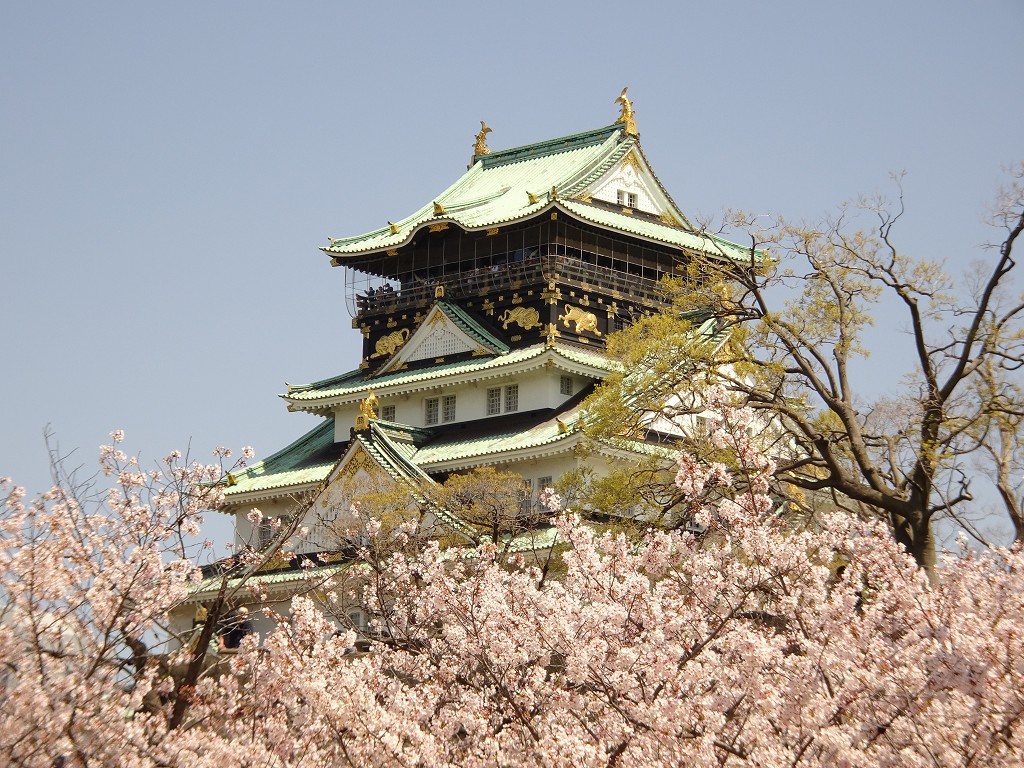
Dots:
pixel 168 171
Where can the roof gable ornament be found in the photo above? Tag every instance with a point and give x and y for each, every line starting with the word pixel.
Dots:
pixel 480 148
pixel 627 115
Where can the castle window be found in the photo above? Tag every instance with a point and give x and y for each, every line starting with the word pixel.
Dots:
pixel 620 197
pixel 448 408
pixel 626 199
pixel 387 413
pixel 431 410
pixel 511 398
pixel 631 200
pixel 268 530
pixel 565 385
pixel 493 401
pixel 357 619
pixel 528 497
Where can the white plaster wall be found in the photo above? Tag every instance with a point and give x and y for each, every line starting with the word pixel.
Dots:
pixel 624 177
pixel 537 389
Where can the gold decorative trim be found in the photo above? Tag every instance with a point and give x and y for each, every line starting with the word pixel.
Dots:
pixel 439 292
pixel 669 219
pixel 368 407
pixel 631 160
pixel 390 343
pixel 392 251
pixel 553 194
pixel 554 215
pixel 480 147
pixel 627 116
pixel 532 198
pixel 517 299
pixel 517 337
pixel 552 296
pixel 488 306
pixel 585 321
pixel 440 226
pixel 493 231
pixel 551 332
pixel 439 209
pixel 584 197
pixel 525 317
pixel 393 228
pixel 392 323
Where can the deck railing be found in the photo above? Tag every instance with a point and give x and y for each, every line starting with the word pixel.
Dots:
pixel 535 270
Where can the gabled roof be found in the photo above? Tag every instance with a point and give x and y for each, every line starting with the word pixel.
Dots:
pixel 301 465
pixel 555 174
pixel 446 326
pixel 352 386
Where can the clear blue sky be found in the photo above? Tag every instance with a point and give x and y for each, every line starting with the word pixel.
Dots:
pixel 168 171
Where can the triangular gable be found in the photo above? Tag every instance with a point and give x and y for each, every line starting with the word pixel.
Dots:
pixel 442 333
pixel 633 176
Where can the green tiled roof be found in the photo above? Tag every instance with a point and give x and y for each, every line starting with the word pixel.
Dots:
pixel 494 191
pixel 212 584
pixel 656 230
pixel 306 461
pixel 354 384
pixel 484 446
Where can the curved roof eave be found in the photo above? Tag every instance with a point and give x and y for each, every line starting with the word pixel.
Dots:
pixel 540 208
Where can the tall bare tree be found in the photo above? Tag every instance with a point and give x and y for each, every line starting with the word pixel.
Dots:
pixel 902 442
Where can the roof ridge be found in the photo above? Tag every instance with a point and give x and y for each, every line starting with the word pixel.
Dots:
pixel 549 146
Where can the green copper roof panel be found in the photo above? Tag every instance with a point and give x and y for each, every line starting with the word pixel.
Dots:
pixel 307 460
pixel 495 189
pixel 349 385
pixel 492 192
pixel 213 584
pixel 488 445
pixel 654 230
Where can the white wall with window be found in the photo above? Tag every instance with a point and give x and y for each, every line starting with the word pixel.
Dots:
pixel 527 391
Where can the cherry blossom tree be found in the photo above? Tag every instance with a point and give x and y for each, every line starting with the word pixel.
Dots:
pixel 755 643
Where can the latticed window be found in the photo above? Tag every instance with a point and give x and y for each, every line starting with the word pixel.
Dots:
pixel 493 401
pixel 268 530
pixel 512 398
pixel 544 483
pixel 565 385
pixel 431 410
pixel 448 408
pixel 387 412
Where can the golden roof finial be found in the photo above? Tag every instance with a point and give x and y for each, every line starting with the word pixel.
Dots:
pixel 553 194
pixel 368 407
pixel 367 411
pixel 480 148
pixel 393 228
pixel 439 209
pixel 626 116
pixel 531 198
